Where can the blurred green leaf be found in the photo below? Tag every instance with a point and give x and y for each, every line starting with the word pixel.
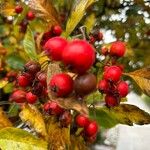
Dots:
pixel 29 45
pixel 15 61
pixel 76 15
pixel 8 88
pixel 18 139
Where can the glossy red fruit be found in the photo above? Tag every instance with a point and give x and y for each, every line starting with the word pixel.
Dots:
pixel 103 86
pixel 57 30
pixel 31 98
pixel 85 84
pixel 113 73
pixel 41 77
pixel 18 96
pixel 65 119
pixel 30 15
pixel 79 55
pixel 61 84
pixel 123 88
pixel 18 9
pixel 23 81
pixel 111 101
pixel 53 108
pixel 32 67
pixel 55 47
pixel 118 49
pixel 81 120
pixel 91 129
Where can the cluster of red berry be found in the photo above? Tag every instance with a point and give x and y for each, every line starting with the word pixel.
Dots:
pixel 111 84
pixel 95 36
pixel 33 82
pixel 29 17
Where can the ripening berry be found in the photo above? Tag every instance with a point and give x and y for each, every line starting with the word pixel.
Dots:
pixel 30 15
pixel 91 129
pixel 53 108
pixel 79 55
pixel 31 98
pixel 55 47
pixel 18 9
pixel 111 100
pixel 100 36
pixel 85 84
pixel 57 30
pixel 123 88
pixel 41 77
pixel 103 86
pixel 113 73
pixel 61 85
pixel 32 67
pixel 18 96
pixel 23 81
pixel 118 49
pixel 104 50
pixel 81 120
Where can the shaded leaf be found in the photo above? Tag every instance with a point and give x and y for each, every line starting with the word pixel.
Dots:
pixel 124 114
pixel 70 102
pixel 77 14
pixel 45 10
pixel 142 78
pixel 29 44
pixel 15 61
pixel 4 121
pixel 31 115
pixel 18 139
pixel 90 22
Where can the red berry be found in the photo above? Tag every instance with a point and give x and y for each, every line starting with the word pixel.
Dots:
pixel 30 15
pixel 31 98
pixel 41 77
pixel 79 55
pixel 103 86
pixel 118 49
pixel 100 36
pixel 123 89
pixel 81 120
pixel 53 108
pixel 113 73
pixel 18 9
pixel 104 50
pixel 111 101
pixel 61 84
pixel 23 81
pixel 91 129
pixel 57 30
pixel 18 96
pixel 92 39
pixel 55 47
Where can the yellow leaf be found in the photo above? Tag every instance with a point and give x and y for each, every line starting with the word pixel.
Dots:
pixel 71 101
pixel 3 83
pixel 77 14
pixel 18 139
pixel 4 121
pixel 90 22
pixel 31 115
pixel 142 78
pixel 59 138
pixel 45 10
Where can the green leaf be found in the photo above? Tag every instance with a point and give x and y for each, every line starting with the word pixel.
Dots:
pixel 15 61
pixel 8 88
pixel 29 45
pixel 18 139
pixel 124 114
pixel 76 15
pixel 103 118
